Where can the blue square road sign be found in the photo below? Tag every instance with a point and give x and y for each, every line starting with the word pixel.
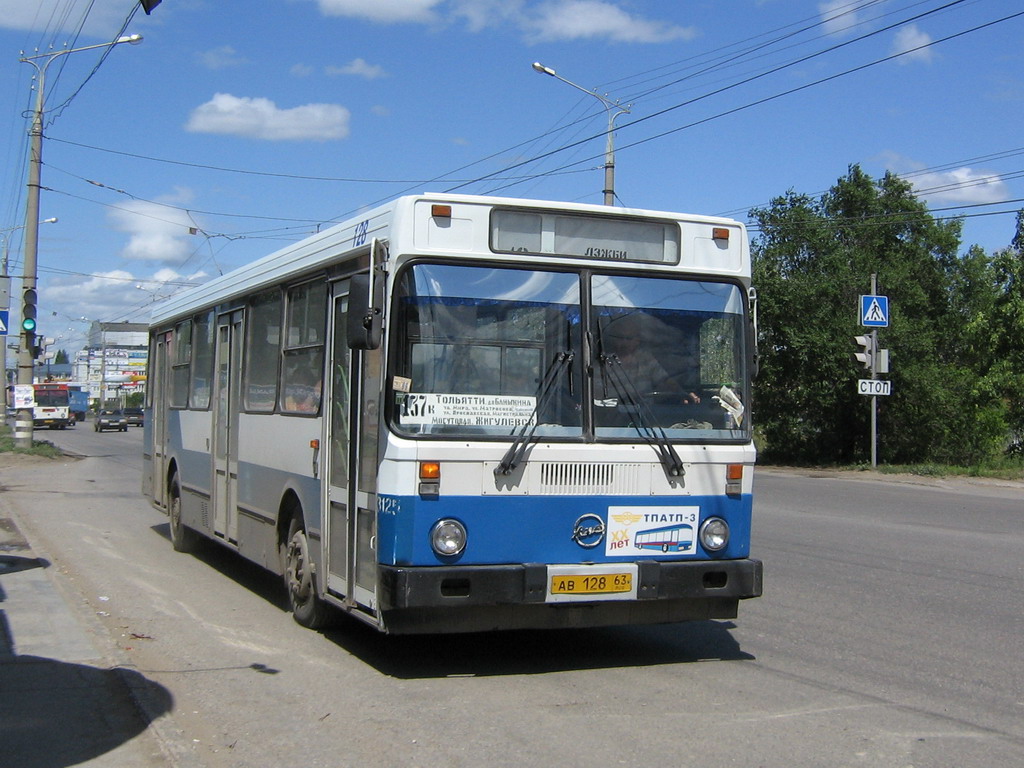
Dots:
pixel 874 311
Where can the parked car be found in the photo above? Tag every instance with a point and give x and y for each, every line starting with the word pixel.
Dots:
pixel 110 418
pixel 134 416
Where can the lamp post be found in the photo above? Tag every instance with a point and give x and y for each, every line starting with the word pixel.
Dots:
pixel 609 106
pixel 26 357
pixel 5 290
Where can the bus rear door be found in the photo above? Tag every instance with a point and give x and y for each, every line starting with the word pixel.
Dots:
pixel 225 428
pixel 155 461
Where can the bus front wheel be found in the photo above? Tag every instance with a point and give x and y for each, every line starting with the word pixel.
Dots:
pixel 300 579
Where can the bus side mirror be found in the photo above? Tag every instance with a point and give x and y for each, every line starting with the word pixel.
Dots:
pixel 754 359
pixel 365 312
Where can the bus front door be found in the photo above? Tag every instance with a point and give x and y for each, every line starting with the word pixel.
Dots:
pixel 351 432
pixel 225 428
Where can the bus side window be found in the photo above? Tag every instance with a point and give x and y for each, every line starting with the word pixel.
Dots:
pixel 202 362
pixel 262 351
pixel 181 365
pixel 303 372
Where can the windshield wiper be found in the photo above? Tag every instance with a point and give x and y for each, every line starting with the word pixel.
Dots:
pixel 644 422
pixel 515 453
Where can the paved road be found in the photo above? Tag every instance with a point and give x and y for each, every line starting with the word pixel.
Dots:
pixel 889 635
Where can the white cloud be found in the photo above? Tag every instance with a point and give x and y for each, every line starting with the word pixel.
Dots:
pixel 838 16
pixel 961 185
pixel 102 296
pixel 538 20
pixel 102 18
pixel 221 58
pixel 387 11
pixel 964 186
pixel 259 118
pixel 115 295
pixel 358 67
pixel 480 14
pixel 909 39
pixel 157 231
pixel 589 19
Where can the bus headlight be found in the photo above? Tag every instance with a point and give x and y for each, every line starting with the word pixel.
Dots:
pixel 448 537
pixel 714 534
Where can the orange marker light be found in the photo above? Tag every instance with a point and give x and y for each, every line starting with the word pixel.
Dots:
pixel 720 233
pixel 441 211
pixel 733 479
pixel 430 470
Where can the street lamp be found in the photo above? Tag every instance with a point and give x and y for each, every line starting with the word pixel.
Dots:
pixel 26 357
pixel 6 235
pixel 609 106
pixel 5 287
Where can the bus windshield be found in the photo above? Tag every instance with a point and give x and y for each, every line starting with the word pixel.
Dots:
pixel 51 398
pixel 486 351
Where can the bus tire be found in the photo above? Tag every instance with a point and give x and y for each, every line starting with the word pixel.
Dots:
pixel 183 538
pixel 300 578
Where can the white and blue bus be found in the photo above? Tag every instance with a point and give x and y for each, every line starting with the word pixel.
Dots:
pixel 457 413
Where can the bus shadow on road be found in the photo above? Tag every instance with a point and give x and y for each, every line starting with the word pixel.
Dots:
pixel 514 652
pixel 527 652
pixel 523 652
pixel 231 565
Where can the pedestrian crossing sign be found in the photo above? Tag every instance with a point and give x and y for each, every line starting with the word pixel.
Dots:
pixel 4 317
pixel 874 311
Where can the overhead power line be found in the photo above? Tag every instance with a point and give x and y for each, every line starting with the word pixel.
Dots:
pixel 748 105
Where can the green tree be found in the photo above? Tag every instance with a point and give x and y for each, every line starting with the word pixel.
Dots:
pixel 812 260
pixel 1005 375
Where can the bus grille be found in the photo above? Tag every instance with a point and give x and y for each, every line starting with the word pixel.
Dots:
pixel 572 478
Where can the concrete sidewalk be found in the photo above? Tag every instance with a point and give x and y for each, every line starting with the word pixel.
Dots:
pixel 66 697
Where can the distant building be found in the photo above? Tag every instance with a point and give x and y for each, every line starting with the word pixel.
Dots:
pixel 115 362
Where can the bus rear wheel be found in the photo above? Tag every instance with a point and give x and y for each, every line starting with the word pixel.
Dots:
pixel 300 579
pixel 183 538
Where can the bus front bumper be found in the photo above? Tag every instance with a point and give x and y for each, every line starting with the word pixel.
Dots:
pixel 481 598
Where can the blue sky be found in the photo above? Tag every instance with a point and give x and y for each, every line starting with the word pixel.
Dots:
pixel 235 128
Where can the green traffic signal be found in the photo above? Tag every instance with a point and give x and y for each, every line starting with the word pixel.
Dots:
pixel 28 310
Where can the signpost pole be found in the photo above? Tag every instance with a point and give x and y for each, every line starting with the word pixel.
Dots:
pixel 874 375
pixel 874 313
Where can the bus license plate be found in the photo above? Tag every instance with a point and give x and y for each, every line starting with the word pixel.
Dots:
pixel 569 583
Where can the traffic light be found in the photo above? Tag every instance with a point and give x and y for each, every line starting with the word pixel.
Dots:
pixel 867 351
pixel 40 349
pixel 28 311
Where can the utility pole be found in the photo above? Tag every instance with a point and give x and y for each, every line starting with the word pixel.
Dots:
pixel 27 353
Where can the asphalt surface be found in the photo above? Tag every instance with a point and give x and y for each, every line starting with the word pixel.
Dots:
pixel 66 696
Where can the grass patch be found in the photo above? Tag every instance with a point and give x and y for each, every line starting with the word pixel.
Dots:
pixel 39 447
pixel 1007 469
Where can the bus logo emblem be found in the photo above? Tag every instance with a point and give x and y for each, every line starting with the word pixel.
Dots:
pixel 588 531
